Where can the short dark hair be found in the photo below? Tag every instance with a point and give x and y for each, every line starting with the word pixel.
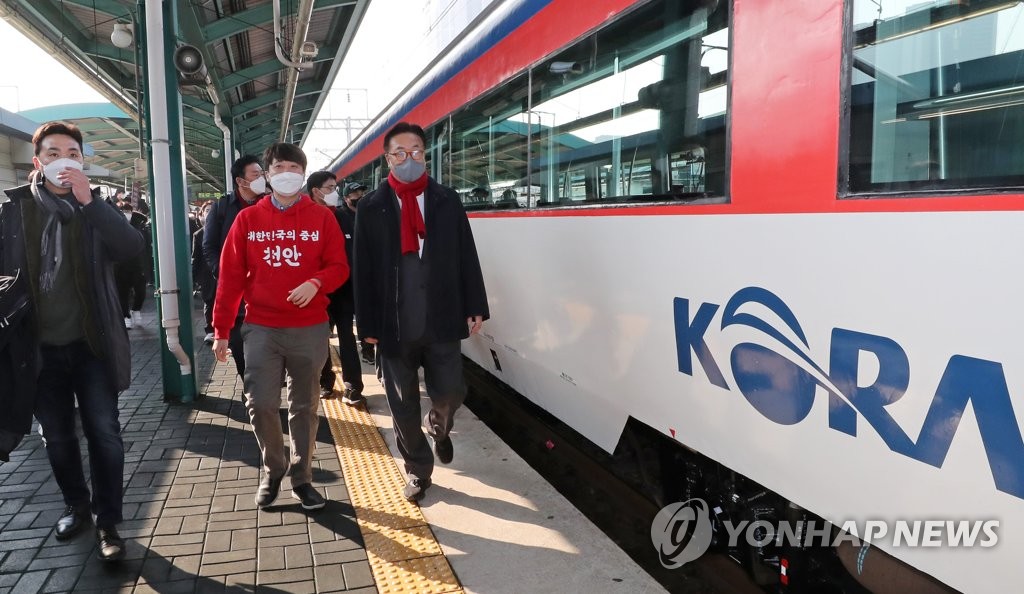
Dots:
pixel 402 128
pixel 284 151
pixel 238 168
pixel 317 179
pixel 125 205
pixel 51 128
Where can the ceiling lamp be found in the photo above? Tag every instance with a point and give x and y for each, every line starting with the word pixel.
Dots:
pixel 122 35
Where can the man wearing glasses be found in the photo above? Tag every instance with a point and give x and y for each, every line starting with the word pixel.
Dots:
pixel 419 291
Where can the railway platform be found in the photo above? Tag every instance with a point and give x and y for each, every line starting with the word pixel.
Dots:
pixel 489 523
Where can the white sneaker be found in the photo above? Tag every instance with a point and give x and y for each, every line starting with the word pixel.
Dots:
pixel 137 316
pixel 127 322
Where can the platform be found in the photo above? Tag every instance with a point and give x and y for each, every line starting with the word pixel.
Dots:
pixel 192 471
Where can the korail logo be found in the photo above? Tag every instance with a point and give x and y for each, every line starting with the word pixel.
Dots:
pixel 681 532
pixel 778 377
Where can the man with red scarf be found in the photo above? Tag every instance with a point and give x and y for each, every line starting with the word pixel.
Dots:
pixel 419 291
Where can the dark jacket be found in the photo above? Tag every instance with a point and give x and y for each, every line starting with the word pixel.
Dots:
pixel 215 230
pixel 140 223
pixel 343 300
pixel 455 284
pixel 106 238
pixel 201 274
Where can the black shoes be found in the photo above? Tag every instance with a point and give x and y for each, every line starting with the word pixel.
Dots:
pixel 352 397
pixel 267 493
pixel 309 497
pixel 443 449
pixel 326 392
pixel 369 354
pixel 110 543
pixel 71 522
pixel 415 489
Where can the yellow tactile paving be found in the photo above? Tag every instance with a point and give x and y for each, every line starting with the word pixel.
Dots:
pixel 425 575
pixel 403 553
pixel 397 545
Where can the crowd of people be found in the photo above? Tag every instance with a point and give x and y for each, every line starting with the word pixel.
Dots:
pixel 281 262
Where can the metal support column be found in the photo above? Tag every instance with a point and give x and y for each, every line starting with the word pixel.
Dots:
pixel 166 160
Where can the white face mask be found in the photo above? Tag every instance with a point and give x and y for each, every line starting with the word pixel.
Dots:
pixel 287 183
pixel 332 198
pixel 258 185
pixel 128 216
pixel 51 169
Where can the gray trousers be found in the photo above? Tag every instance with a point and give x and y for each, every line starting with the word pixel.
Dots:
pixel 442 374
pixel 269 352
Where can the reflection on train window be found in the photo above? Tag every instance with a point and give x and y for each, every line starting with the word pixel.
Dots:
pixel 937 98
pixel 636 111
pixel 487 159
pixel 633 112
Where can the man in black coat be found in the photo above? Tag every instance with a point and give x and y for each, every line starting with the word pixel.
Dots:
pixel 250 185
pixel 419 292
pixel 71 240
pixel 323 189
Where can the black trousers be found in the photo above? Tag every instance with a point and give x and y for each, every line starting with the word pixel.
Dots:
pixel 351 368
pixel 446 388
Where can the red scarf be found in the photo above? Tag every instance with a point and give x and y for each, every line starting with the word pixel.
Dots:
pixel 412 227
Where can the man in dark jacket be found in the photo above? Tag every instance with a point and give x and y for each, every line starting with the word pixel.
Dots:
pixel 250 186
pixel 70 242
pixel 419 291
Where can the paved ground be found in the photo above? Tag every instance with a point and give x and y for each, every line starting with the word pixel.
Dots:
pixel 191 473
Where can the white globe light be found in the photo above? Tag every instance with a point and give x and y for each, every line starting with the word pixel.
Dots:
pixel 215 153
pixel 122 35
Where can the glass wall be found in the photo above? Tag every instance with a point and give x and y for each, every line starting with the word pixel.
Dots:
pixel 937 95
pixel 634 112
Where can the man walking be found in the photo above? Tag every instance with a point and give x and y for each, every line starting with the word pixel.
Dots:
pixel 323 188
pixel 250 186
pixel 70 242
pixel 353 193
pixel 285 255
pixel 419 291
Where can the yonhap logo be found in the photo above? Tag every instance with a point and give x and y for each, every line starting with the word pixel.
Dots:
pixel 780 381
pixel 681 532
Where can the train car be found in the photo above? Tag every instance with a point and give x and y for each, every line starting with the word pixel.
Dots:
pixel 782 237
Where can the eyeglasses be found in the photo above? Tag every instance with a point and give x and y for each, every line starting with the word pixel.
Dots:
pixel 402 155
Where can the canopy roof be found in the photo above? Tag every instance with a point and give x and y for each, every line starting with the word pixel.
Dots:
pixel 236 38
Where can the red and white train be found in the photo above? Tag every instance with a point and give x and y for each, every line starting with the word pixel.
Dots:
pixel 785 235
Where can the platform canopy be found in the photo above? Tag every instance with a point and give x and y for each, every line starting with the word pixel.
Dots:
pixel 256 95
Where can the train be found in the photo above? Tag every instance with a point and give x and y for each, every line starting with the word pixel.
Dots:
pixel 777 241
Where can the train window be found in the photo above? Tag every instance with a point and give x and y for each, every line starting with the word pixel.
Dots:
pixel 487 154
pixel 634 111
pixel 937 95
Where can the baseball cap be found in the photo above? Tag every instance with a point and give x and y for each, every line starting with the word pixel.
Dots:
pixel 352 187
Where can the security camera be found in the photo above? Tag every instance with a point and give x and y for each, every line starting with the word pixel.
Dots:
pixel 566 68
pixel 308 50
pixel 189 62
